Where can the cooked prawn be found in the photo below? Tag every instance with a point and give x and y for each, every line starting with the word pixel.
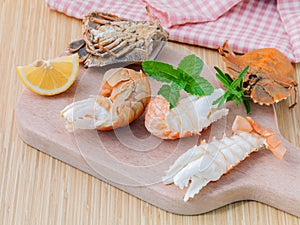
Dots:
pixel 189 117
pixel 124 94
pixel 209 161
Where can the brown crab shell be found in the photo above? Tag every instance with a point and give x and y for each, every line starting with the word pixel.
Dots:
pixel 108 39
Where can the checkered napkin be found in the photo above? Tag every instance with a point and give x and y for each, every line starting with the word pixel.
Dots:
pixel 247 24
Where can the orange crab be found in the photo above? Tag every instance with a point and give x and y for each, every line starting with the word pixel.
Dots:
pixel 270 77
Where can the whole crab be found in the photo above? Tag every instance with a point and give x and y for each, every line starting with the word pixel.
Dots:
pixel 270 77
pixel 108 39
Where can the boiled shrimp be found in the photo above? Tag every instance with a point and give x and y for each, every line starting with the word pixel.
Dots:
pixel 209 161
pixel 189 117
pixel 124 94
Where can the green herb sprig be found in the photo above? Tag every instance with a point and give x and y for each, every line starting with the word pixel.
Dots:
pixel 185 77
pixel 234 89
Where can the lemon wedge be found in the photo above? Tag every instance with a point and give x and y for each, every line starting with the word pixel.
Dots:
pixel 50 77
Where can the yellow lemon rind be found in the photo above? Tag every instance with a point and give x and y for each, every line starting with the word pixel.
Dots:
pixel 55 91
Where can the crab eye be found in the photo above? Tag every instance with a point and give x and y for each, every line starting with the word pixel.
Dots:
pixel 252 76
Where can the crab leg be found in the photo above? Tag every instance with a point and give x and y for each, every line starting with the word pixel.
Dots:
pixel 76 45
pixel 89 44
pixel 100 21
pixel 79 47
pixel 102 18
pixel 109 17
pixel 123 48
pixel 128 49
pixel 83 54
pixel 90 48
pixel 149 14
pixel 106 41
pixel 111 45
pixel 104 49
pixel 295 96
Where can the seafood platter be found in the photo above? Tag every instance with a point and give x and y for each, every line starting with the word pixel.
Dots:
pixel 164 126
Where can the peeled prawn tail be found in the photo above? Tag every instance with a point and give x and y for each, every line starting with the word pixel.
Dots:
pixel 209 161
pixel 192 154
pixel 189 117
pixel 85 114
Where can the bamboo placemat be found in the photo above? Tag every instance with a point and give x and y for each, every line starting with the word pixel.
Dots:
pixel 38 189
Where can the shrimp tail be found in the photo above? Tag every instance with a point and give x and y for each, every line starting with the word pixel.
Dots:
pixel 209 161
pixel 273 142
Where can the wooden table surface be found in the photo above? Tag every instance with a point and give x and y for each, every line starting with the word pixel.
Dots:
pixel 38 189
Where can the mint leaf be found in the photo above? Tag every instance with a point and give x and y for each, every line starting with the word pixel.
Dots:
pixel 186 77
pixel 163 72
pixel 200 87
pixel 170 93
pixel 191 65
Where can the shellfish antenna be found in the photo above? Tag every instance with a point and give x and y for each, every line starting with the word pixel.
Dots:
pixel 225 50
pixel 149 14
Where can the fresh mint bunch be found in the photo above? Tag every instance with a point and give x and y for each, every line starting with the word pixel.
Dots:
pixel 185 77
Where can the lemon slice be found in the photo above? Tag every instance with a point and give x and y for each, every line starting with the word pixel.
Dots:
pixel 50 77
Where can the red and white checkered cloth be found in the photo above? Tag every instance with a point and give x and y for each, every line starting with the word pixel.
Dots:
pixel 247 24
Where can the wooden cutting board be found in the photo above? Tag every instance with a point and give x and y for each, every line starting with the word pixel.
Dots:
pixel 134 161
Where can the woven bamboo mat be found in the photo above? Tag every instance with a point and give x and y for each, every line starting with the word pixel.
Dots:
pixel 38 189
